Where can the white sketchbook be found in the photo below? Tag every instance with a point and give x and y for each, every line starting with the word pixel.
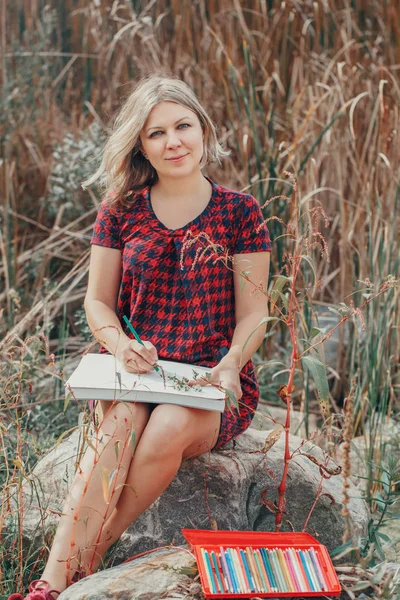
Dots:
pixel 102 377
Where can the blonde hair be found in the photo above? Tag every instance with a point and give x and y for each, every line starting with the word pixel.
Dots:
pixel 123 168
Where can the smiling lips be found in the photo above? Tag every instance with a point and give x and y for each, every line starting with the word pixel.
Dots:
pixel 175 159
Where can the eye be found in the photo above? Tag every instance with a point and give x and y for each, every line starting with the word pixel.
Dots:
pixel 185 125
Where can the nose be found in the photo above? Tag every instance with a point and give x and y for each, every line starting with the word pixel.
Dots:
pixel 173 140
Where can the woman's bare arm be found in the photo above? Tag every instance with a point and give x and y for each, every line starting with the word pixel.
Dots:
pixel 101 298
pixel 250 306
pixel 100 306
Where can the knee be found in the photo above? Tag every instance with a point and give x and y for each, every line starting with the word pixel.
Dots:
pixel 124 417
pixel 168 429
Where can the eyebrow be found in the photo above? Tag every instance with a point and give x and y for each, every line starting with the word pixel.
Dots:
pixel 178 121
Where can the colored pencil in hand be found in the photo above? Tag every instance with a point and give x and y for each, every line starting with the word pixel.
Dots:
pixel 137 338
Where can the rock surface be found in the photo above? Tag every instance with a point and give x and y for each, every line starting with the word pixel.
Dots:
pixel 163 574
pixel 222 489
pixel 167 574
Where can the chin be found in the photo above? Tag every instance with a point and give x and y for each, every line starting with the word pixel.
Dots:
pixel 180 169
pixel 179 173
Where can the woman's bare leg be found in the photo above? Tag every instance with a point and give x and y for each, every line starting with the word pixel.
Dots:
pixel 86 508
pixel 171 434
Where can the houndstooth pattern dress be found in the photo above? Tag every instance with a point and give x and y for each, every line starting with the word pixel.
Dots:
pixel 176 287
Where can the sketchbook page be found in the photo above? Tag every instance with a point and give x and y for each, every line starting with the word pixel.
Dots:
pixel 104 371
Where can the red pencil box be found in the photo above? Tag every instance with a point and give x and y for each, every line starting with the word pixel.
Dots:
pixel 212 541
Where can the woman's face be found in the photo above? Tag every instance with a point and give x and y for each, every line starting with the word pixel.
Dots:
pixel 172 131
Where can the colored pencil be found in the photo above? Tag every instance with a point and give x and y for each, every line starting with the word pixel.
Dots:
pixel 232 571
pixel 246 568
pixel 319 569
pixel 267 564
pixel 299 570
pixel 214 559
pixel 137 338
pixel 212 574
pixel 221 570
pixel 285 569
pixel 253 584
pixel 292 571
pixel 264 579
pixel 311 569
pixel 239 571
pixel 260 581
pixel 242 570
pixel 315 570
pixel 289 570
pixel 274 571
pixel 282 581
pixel 306 570
pixel 235 571
pixel 226 568
pixel 272 565
pixel 289 562
pixel 268 587
pixel 253 567
pixel 208 576
pixel 295 566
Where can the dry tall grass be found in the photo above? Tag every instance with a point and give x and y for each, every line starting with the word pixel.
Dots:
pixel 309 87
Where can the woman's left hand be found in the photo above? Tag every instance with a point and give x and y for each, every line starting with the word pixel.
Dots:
pixel 226 375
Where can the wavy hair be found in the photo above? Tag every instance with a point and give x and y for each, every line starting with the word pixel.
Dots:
pixel 123 169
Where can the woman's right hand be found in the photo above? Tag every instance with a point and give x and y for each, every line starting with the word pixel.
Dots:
pixel 136 358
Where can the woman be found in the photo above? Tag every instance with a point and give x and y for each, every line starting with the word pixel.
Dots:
pixel 161 255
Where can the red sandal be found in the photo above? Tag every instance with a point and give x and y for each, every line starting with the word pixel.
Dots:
pixel 35 593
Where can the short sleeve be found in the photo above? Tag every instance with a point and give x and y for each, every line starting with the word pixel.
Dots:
pixel 106 229
pixel 252 232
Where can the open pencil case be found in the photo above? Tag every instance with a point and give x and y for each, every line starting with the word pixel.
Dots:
pixel 243 564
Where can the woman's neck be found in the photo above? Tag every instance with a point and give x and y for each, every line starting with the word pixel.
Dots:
pixel 193 185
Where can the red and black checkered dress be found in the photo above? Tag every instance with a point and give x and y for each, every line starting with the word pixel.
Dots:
pixel 187 313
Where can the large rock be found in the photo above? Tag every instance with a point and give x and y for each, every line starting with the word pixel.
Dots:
pixel 168 574
pixel 222 489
